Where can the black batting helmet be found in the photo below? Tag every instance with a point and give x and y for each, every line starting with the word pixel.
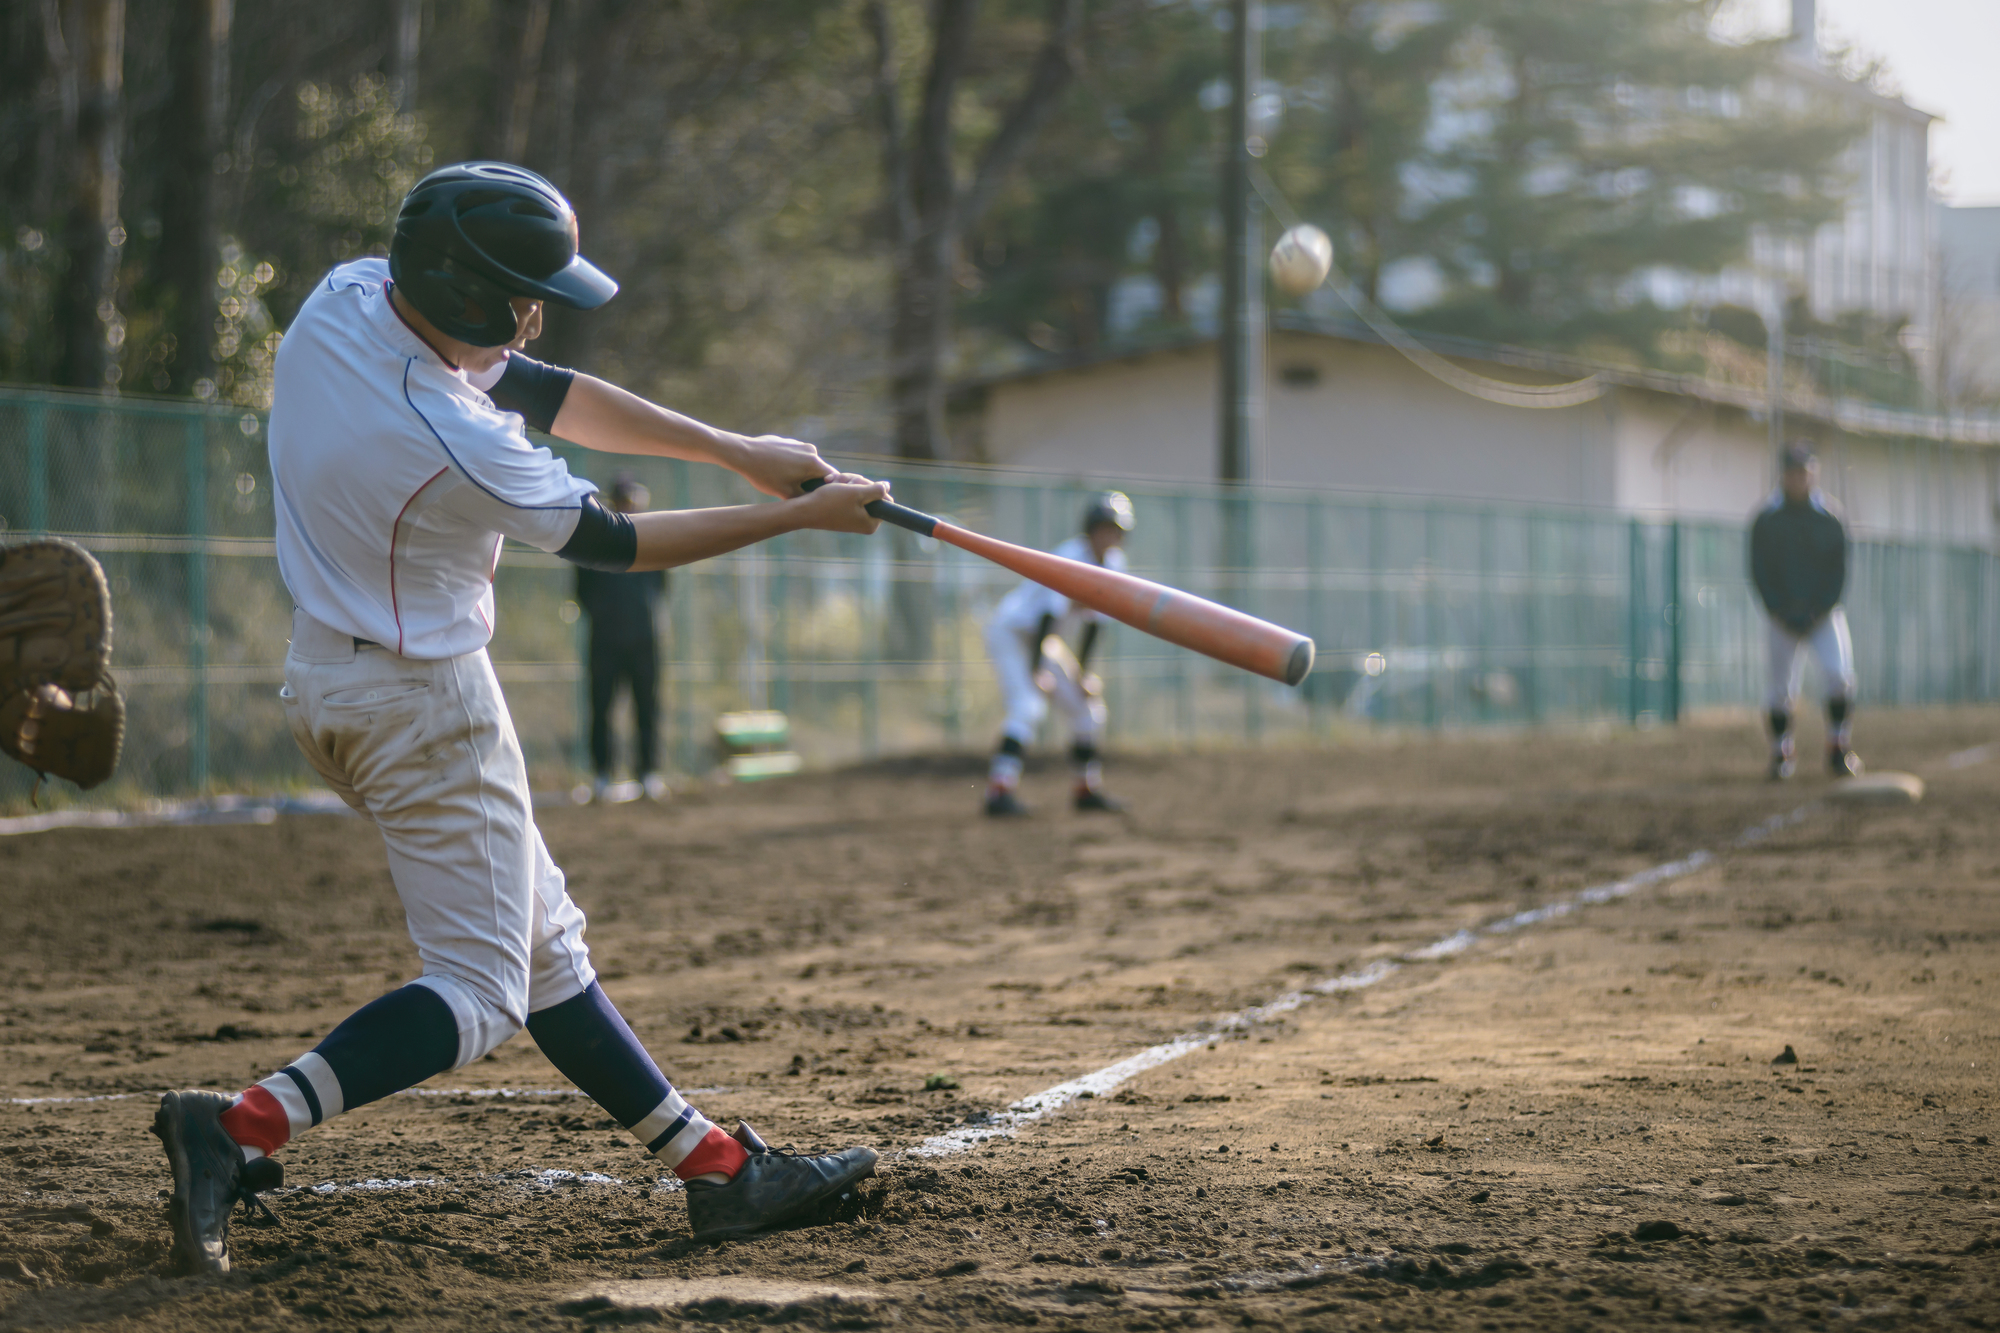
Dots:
pixel 1113 507
pixel 471 236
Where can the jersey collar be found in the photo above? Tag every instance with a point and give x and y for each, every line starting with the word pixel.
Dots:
pixel 405 339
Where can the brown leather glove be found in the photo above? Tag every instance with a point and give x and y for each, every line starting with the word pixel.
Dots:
pixel 60 711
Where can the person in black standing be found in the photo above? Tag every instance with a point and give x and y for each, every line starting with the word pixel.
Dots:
pixel 624 649
pixel 1798 560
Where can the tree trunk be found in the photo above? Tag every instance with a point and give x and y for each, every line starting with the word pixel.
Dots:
pixel 918 342
pixel 90 326
pixel 405 35
pixel 521 30
pixel 599 36
pixel 927 208
pixel 188 206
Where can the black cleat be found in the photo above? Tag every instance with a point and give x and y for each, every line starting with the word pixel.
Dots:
pixel 1843 763
pixel 774 1186
pixel 1092 798
pixel 1002 803
pixel 210 1178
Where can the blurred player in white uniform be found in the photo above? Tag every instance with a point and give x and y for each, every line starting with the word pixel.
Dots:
pixel 1798 560
pixel 1028 640
pixel 399 463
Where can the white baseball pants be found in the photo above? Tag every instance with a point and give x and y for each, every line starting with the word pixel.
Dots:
pixel 427 750
pixel 1012 652
pixel 1827 643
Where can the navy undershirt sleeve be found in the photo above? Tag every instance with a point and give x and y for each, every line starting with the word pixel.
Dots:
pixel 603 539
pixel 533 388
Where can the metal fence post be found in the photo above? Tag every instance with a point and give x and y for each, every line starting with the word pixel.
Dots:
pixel 1315 588
pixel 1245 575
pixel 1489 557
pixel 1532 617
pixel 681 615
pixel 1634 599
pixel 1671 709
pixel 38 467
pixel 197 600
pixel 1378 597
pixel 1433 635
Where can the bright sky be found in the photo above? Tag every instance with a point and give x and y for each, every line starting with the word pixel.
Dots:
pixel 1940 56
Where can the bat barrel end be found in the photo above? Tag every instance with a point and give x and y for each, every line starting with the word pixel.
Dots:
pixel 1300 663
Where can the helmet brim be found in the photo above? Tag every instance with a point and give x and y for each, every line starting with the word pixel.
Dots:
pixel 580 285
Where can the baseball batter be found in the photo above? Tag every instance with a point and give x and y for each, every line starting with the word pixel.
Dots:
pixel 1028 640
pixel 1798 560
pixel 399 464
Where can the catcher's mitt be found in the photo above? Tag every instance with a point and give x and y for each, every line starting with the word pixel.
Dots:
pixel 60 711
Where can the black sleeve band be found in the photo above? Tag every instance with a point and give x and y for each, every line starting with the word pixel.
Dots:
pixel 533 389
pixel 1042 631
pixel 602 540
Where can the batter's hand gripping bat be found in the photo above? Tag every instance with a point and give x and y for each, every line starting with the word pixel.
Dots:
pixel 1181 618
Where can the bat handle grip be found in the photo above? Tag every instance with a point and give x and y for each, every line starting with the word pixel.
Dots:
pixel 916 520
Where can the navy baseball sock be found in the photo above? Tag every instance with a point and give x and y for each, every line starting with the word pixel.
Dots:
pixel 1839 722
pixel 386 1045
pixel 590 1042
pixel 1007 763
pixel 1089 768
pixel 1781 732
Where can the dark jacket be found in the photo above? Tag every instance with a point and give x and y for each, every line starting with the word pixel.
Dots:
pixel 620 606
pixel 1798 560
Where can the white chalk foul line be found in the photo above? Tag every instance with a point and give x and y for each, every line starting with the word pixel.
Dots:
pixel 1008 1122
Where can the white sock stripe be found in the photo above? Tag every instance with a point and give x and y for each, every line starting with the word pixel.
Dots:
pixel 326 1084
pixel 297 1112
pixel 680 1145
pixel 660 1118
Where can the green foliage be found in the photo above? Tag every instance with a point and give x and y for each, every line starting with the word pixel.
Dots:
pixel 1542 157
pixel 1578 144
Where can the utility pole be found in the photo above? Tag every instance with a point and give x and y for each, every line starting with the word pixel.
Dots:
pixel 1241 341
pixel 1774 363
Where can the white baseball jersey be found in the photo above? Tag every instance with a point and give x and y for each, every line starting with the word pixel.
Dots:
pixel 1022 609
pixel 396 477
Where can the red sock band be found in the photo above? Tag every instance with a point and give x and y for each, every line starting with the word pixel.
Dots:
pixel 717 1151
pixel 257 1121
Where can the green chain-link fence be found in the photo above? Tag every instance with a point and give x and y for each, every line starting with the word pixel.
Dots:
pixel 1426 614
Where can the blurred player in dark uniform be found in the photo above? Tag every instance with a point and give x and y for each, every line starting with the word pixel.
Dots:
pixel 1798 560
pixel 624 649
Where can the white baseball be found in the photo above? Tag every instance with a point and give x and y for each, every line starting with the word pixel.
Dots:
pixel 1301 259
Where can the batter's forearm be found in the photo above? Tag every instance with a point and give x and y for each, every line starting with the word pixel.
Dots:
pixel 601 416
pixel 670 538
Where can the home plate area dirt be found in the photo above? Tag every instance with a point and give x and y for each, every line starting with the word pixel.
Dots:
pixel 1587 1122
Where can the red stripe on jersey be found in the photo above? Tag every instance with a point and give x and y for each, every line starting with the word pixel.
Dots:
pixel 395 607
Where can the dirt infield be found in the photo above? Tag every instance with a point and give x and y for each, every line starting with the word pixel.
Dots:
pixel 1577 1124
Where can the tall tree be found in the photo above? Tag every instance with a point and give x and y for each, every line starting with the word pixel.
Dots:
pixel 1120 185
pixel 406 35
pixel 520 35
pixel 1581 146
pixel 1347 165
pixel 931 197
pixel 190 193
pixel 91 329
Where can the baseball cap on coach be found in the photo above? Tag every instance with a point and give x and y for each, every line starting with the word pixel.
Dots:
pixel 473 235
pixel 1797 454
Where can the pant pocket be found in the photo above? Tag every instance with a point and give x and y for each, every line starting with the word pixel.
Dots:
pixel 362 696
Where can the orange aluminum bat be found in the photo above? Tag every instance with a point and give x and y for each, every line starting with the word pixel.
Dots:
pixel 1218 631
